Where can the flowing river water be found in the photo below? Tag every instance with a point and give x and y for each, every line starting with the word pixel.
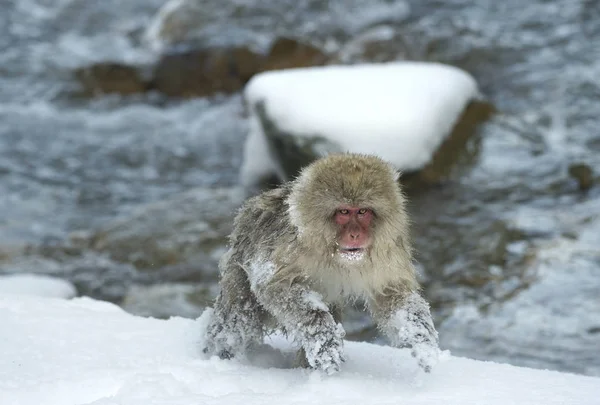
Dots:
pixel 509 244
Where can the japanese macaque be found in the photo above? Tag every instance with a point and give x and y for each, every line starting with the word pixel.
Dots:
pixel 298 253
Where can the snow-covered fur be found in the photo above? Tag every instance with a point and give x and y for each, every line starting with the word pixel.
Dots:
pixel 409 324
pixel 284 263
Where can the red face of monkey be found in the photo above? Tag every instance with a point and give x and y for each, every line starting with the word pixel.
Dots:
pixel 353 230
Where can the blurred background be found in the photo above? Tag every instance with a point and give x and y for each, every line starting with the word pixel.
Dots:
pixel 122 127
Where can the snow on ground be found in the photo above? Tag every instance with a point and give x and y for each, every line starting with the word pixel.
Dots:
pixel 401 111
pixel 37 285
pixel 83 351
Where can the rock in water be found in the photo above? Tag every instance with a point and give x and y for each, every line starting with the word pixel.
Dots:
pixel 110 77
pixel 583 174
pixel 199 72
pixel 203 72
pixel 401 111
pixel 286 53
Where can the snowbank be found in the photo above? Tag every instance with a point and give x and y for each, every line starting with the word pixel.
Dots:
pixel 37 285
pixel 89 352
pixel 401 111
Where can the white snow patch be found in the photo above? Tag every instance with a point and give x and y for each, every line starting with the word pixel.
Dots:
pixel 59 352
pixel 37 285
pixel 401 111
pixel 261 271
pixel 315 301
pixel 257 162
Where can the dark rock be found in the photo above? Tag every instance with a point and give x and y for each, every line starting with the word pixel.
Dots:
pixel 197 72
pixel 583 174
pixel 109 77
pixel 287 53
pixel 594 330
pixel 206 71
pixel 203 72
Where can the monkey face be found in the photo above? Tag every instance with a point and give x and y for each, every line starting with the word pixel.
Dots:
pixel 349 207
pixel 353 231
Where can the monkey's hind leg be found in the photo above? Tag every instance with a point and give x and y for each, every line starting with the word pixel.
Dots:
pixel 236 323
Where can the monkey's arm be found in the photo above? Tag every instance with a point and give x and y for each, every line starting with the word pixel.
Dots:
pixel 306 318
pixel 404 317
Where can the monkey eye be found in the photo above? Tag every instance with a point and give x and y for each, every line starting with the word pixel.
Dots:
pixel 344 212
pixel 362 211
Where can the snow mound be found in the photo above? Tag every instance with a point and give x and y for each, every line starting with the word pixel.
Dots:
pixel 83 351
pixel 401 111
pixel 36 285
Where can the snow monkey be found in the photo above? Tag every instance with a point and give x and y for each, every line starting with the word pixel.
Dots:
pixel 338 232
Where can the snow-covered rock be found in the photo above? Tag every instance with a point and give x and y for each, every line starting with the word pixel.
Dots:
pixel 36 285
pixel 401 111
pixel 90 352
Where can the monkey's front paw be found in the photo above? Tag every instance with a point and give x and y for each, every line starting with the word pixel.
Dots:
pixel 325 351
pixel 327 356
pixel 427 354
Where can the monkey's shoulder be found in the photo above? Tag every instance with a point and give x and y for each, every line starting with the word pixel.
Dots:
pixel 268 202
pixel 271 200
pixel 264 215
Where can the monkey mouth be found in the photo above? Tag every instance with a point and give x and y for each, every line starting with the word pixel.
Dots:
pixel 352 254
pixel 351 250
